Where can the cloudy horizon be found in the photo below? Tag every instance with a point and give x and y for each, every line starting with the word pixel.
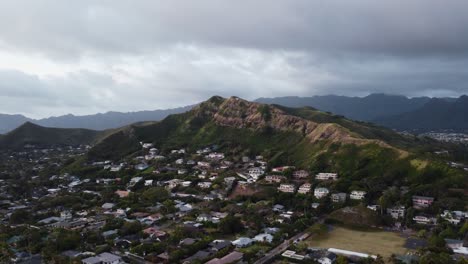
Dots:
pixel 84 57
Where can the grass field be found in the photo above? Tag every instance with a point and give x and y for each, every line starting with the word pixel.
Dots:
pixel 370 242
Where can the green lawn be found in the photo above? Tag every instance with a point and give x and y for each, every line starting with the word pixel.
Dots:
pixel 370 242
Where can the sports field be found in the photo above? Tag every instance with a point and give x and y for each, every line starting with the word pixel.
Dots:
pixel 370 242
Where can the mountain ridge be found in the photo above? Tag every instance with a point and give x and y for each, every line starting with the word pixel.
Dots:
pixel 237 120
pixel 99 121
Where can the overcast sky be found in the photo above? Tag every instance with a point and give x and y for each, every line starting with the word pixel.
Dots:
pixel 83 57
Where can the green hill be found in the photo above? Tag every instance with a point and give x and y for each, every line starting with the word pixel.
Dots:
pixel 31 134
pixel 366 156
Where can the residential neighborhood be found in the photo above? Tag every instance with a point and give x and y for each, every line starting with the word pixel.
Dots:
pixel 192 206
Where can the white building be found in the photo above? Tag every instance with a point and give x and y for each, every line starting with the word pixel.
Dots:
pixel 324 176
pixel 274 178
pixel 396 212
pixel 263 238
pixel 148 182
pixel 424 220
pixel 204 185
pixel 320 192
pixel 255 172
pixel 357 195
pixel 305 188
pixel 300 174
pixel 287 188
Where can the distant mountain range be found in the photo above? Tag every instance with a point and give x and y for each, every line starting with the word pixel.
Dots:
pixel 100 121
pixel 367 108
pixel 435 115
pixel 421 114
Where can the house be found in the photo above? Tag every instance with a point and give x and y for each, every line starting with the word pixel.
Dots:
pixel 141 166
pixel 326 176
pixel 204 218
pixel 453 243
pixel 424 220
pixel 396 212
pixel 122 194
pixel 305 188
pixel 110 233
pixel 338 197
pixel 204 185
pixel 66 215
pixel 268 238
pixel 215 156
pixel 278 208
pixel 135 180
pixel 282 168
pixel 203 164
pixel 274 178
pixel 315 205
pixel 146 145
pixel 323 257
pixel 320 192
pixel 186 183
pixel 233 257
pixel 103 258
pixel 357 195
pixel 255 172
pixel 218 245
pixel 287 188
pixel 454 217
pixel 154 232
pixel 300 174
pixel 148 182
pixel 108 206
pixel 187 241
pixel 171 184
pixel 242 242
pixel 420 202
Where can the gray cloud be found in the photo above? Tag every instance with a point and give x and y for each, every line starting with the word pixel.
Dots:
pixel 133 55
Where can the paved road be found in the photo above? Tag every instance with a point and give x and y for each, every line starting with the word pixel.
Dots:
pixel 277 250
pixel 283 246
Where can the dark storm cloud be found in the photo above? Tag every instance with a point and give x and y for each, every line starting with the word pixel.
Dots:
pixel 418 27
pixel 170 53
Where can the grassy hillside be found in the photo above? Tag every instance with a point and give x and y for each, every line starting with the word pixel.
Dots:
pixel 366 157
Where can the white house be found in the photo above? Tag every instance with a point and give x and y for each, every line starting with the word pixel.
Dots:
pixel 305 188
pixel 148 182
pixel 287 188
pixel 326 176
pixel 215 156
pixel 204 185
pixel 263 238
pixel 357 195
pixel 320 192
pixel 274 178
pixel 242 242
pixel 424 220
pixel 396 212
pixel 255 172
pixel 300 174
